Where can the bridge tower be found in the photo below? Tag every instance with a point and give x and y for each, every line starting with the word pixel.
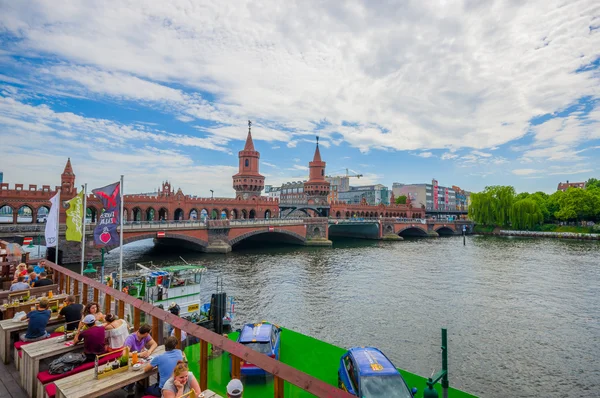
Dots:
pixel 317 187
pixel 248 182
pixel 67 181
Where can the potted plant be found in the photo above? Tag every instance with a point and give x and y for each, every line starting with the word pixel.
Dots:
pixel 54 309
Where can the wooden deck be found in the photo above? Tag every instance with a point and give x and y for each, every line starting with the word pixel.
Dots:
pixel 10 386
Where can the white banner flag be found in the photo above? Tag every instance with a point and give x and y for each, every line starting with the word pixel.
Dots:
pixel 52 222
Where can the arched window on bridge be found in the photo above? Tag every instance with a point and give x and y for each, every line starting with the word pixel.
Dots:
pixel 25 214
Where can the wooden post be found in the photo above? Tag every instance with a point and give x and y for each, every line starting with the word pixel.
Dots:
pixel 136 318
pixel 121 309
pixel 204 365
pixel 96 292
pixel 178 335
pixel 107 300
pixel 75 287
pixel 68 289
pixel 84 299
pixel 235 367
pixel 278 387
pixel 155 329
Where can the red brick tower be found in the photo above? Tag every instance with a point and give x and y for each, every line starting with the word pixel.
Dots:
pixel 248 182
pixel 67 181
pixel 317 188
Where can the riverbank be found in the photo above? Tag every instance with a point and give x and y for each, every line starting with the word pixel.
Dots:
pixel 560 232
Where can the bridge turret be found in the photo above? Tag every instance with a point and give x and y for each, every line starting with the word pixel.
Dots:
pixel 317 187
pixel 248 182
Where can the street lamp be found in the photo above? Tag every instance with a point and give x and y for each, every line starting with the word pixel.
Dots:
pixel 212 194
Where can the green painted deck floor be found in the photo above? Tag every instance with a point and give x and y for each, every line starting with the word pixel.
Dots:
pixel 312 356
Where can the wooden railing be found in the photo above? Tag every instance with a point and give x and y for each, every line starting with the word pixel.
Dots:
pixel 70 281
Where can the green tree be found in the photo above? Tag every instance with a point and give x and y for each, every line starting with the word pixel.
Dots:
pixel 401 200
pixel 592 183
pixel 526 214
pixel 522 195
pixel 577 204
pixel 493 205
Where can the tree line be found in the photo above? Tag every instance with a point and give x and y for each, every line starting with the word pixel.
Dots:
pixel 501 206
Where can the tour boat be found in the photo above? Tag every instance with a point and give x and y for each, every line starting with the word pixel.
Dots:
pixel 179 284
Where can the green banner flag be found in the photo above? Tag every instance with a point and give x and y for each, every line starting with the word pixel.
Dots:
pixel 75 218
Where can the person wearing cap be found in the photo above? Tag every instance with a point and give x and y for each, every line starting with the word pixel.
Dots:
pixel 93 338
pixel 235 388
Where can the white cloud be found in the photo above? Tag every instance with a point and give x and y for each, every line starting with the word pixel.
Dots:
pixel 268 164
pixel 448 155
pixel 425 154
pixel 275 147
pixel 292 144
pixel 298 167
pixel 524 172
pixel 431 76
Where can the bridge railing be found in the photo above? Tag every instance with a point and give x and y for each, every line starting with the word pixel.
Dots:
pixel 74 283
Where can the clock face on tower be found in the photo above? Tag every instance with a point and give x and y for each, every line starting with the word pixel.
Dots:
pixel 245 195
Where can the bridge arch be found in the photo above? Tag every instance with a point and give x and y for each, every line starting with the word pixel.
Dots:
pixel 202 245
pixel 444 230
pixel 224 214
pixel 163 214
pixel 294 237
pixel 92 213
pixel 6 214
pixel 193 215
pixel 25 214
pixel 411 230
pixel 179 214
pixel 338 214
pixel 214 214
pixel 244 214
pixel 268 214
pixel 234 215
pixel 41 211
pixel 150 214
pixel 252 214
pixel 125 214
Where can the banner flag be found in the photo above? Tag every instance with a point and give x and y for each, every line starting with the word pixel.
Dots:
pixel 74 218
pixel 51 232
pixel 105 233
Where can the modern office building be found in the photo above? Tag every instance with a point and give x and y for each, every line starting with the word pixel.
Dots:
pixel 434 197
pixel 372 194
pixel 337 184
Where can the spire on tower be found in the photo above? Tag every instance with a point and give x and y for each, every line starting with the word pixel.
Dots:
pixel 68 168
pixel 249 143
pixel 317 157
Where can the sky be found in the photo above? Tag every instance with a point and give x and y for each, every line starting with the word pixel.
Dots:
pixel 471 93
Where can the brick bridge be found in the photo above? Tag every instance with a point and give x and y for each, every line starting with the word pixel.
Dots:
pixel 221 236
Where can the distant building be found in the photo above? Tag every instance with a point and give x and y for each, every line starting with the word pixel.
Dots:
pixel 273 192
pixel 372 194
pixel 563 186
pixel 292 193
pixel 434 197
pixel 1 177
pixel 463 198
pixel 337 184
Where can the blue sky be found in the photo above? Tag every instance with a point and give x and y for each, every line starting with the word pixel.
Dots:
pixel 472 94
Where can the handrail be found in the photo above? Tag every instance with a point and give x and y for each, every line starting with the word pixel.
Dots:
pixel 278 369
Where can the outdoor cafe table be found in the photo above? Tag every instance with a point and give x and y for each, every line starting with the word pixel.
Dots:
pixel 7 327
pixel 32 355
pixel 9 311
pixel 84 385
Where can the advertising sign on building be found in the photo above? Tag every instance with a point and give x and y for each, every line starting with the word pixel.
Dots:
pixel 435 194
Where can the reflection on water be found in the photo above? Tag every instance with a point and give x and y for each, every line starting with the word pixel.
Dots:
pixel 522 315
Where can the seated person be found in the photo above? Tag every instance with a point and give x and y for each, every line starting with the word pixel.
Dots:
pixel 117 331
pixel 71 312
pixel 141 341
pixel 166 364
pixel 41 267
pixel 38 320
pixel 19 285
pixel 43 280
pixel 20 271
pixel 93 338
pixel 33 277
pixel 94 309
pixel 181 382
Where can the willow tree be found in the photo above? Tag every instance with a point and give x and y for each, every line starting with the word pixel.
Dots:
pixel 526 214
pixel 492 206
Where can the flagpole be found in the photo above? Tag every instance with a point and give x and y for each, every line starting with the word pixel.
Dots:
pixel 57 228
pixel 121 239
pixel 83 226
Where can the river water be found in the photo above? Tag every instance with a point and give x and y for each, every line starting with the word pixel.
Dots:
pixel 523 315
